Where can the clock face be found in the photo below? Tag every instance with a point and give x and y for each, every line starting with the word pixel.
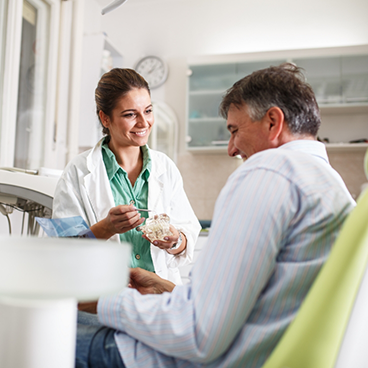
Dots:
pixel 153 69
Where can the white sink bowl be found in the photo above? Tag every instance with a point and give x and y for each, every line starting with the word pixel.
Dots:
pixel 41 280
pixel 49 268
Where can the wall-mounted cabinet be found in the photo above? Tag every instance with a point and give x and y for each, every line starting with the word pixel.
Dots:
pixel 340 83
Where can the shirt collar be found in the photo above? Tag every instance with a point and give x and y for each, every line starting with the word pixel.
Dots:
pixel 147 162
pixel 112 166
pixel 312 147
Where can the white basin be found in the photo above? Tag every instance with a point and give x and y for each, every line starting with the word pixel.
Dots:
pixel 41 280
pixel 41 268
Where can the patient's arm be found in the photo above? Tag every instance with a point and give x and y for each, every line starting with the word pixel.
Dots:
pixel 144 281
pixel 148 282
pixel 90 307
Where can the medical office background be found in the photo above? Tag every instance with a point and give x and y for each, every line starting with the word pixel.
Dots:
pixel 53 53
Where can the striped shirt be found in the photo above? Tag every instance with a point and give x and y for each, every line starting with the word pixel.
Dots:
pixel 273 227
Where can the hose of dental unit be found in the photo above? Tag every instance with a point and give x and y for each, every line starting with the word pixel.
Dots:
pixel 33 226
pixel 5 212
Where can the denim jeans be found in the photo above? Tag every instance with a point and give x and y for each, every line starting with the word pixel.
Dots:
pixel 96 347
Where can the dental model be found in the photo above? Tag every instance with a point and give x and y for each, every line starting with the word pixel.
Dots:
pixel 157 227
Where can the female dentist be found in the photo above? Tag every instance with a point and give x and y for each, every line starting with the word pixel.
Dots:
pixel 107 184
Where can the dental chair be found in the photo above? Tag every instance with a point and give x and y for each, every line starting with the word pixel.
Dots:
pixel 331 327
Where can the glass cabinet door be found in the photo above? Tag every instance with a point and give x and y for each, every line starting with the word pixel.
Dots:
pixel 337 80
pixel 32 90
pixel 324 75
pixel 355 78
pixel 207 86
pixel 340 83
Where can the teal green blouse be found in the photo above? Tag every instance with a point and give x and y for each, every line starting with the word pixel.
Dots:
pixel 124 193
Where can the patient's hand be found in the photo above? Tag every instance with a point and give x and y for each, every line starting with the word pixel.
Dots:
pixel 148 282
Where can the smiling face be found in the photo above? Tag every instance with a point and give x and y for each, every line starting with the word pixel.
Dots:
pixel 247 137
pixel 131 120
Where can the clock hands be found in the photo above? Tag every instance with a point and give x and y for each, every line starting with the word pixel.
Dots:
pixel 153 69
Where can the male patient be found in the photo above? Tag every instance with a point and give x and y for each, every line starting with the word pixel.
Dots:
pixel 273 227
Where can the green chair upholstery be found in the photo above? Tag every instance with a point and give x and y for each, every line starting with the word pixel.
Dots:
pixel 314 338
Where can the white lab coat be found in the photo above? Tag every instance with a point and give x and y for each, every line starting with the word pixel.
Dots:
pixel 84 190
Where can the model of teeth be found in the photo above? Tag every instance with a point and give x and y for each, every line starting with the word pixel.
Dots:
pixel 156 228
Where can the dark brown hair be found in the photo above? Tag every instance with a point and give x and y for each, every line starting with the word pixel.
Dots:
pixel 114 85
pixel 283 86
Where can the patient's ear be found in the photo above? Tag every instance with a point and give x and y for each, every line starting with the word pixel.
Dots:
pixel 276 122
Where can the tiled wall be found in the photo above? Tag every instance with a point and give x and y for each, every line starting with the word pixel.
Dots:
pixel 350 165
pixel 205 175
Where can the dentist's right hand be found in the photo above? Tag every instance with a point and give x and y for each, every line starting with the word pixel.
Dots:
pixel 120 219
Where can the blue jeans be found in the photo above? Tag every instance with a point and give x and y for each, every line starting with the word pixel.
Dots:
pixel 96 347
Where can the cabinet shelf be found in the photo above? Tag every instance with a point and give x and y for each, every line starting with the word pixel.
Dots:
pixel 208 149
pixel 344 109
pixel 206 119
pixel 332 147
pixel 207 92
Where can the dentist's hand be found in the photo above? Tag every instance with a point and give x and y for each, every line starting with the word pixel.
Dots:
pixel 170 241
pixel 120 219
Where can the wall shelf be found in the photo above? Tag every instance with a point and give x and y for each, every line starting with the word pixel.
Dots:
pixel 333 147
pixel 207 119
pixel 344 109
pixel 207 92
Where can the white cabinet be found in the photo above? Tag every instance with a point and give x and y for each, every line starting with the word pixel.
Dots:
pixel 340 82
pixel 99 56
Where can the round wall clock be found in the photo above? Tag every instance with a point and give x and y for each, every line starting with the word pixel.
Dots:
pixel 153 69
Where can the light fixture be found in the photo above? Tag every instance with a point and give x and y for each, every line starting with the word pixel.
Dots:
pixel 112 6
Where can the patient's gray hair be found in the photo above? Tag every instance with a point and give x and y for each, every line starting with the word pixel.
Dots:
pixel 283 86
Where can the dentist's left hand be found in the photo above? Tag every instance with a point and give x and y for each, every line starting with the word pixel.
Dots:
pixel 120 219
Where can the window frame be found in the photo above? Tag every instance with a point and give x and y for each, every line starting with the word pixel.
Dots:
pixel 9 102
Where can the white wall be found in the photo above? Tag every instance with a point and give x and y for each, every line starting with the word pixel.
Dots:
pixel 180 29
pixel 199 27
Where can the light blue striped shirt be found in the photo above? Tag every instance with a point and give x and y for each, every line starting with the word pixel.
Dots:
pixel 273 226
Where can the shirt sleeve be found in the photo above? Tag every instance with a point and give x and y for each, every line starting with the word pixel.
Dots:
pixel 200 320
pixel 67 200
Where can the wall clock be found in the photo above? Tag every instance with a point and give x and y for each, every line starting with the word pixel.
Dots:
pixel 153 69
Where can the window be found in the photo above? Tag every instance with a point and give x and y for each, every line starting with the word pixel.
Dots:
pixel 3 11
pixel 30 121
pixel 29 47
